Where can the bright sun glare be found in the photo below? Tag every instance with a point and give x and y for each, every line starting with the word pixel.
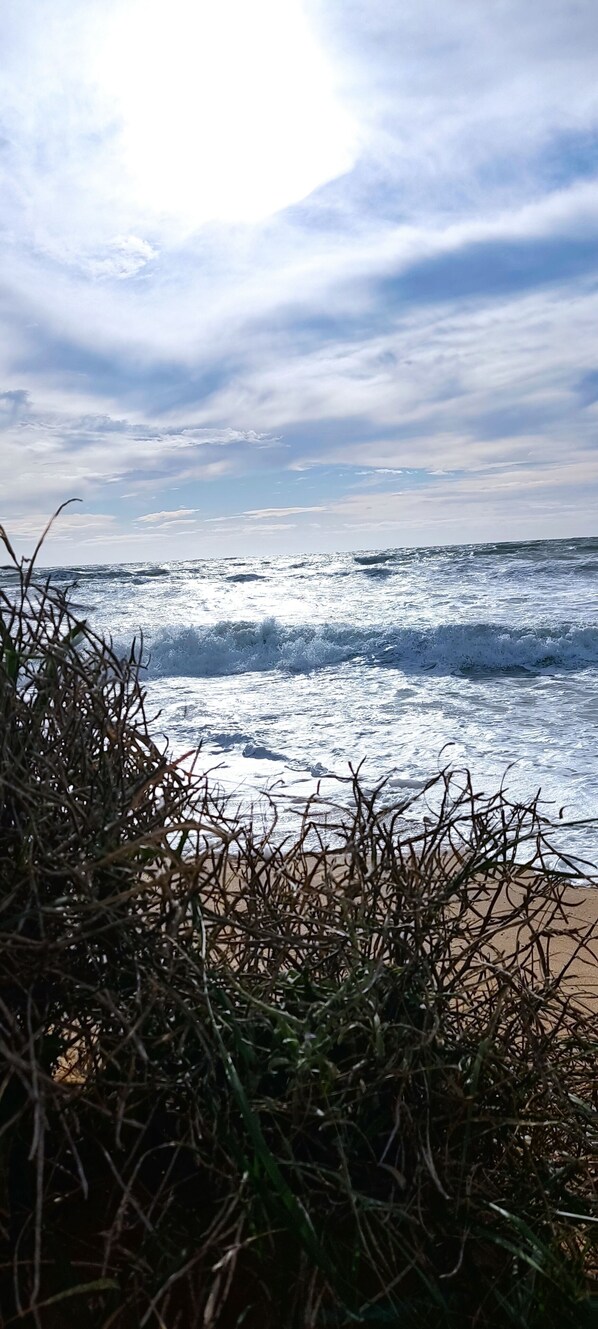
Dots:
pixel 227 108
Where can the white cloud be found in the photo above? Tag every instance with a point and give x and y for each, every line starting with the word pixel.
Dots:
pixel 177 514
pixel 124 256
pixel 282 512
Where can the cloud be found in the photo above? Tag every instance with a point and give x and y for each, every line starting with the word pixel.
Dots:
pixel 428 315
pixel 177 514
pixel 46 452
pixel 283 512
pixel 124 256
pixel 587 387
pixel 13 405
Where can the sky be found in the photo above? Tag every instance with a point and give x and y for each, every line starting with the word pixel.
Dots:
pixel 297 275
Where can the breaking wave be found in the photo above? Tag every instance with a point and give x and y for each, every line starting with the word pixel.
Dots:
pixel 241 647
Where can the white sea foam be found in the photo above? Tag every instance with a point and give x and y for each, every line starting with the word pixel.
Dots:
pixel 286 669
pixel 239 647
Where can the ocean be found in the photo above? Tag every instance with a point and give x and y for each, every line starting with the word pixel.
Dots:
pixel 287 669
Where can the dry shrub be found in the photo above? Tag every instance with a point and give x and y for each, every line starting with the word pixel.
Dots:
pixel 245 1083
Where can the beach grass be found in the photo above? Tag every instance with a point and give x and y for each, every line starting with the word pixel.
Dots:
pixel 346 1078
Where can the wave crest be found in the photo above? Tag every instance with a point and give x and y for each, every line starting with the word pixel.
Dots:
pixel 239 647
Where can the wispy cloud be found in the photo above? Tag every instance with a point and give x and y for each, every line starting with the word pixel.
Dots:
pixel 178 514
pixel 284 512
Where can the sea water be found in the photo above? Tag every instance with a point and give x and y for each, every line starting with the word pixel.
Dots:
pixel 287 669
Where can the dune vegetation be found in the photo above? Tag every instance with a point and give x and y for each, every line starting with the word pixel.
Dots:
pixel 348 1080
